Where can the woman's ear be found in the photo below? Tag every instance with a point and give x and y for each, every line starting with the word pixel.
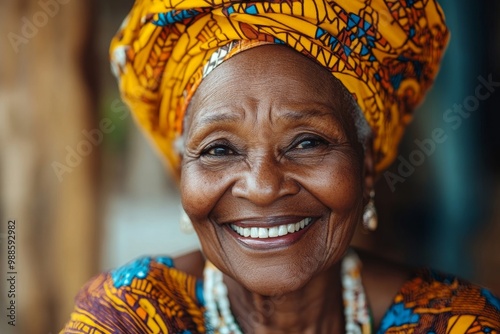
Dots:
pixel 368 170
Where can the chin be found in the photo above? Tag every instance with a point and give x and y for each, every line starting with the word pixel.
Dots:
pixel 274 275
pixel 273 283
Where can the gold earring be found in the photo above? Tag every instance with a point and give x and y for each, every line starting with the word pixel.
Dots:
pixel 370 219
pixel 185 223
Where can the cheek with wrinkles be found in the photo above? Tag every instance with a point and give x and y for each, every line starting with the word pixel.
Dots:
pixel 194 193
pixel 200 190
pixel 338 188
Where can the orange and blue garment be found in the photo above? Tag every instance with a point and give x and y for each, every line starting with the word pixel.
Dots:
pixel 385 52
pixel 150 296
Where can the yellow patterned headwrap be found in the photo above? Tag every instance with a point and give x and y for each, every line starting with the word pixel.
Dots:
pixel 385 52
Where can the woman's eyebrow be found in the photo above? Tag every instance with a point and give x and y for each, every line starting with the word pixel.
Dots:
pixel 311 111
pixel 316 113
pixel 289 115
pixel 214 118
pixel 306 114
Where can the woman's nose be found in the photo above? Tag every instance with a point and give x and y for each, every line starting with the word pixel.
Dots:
pixel 264 182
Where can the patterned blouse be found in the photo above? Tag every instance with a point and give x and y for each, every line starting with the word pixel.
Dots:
pixel 149 295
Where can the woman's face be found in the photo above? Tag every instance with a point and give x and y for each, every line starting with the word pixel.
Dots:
pixel 271 144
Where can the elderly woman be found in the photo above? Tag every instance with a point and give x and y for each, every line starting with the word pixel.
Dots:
pixel 276 117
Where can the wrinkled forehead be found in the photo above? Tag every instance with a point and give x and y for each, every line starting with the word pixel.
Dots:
pixel 275 73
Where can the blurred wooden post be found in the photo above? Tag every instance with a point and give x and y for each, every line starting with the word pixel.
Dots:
pixel 45 104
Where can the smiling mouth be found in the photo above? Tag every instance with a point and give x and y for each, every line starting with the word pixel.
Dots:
pixel 271 232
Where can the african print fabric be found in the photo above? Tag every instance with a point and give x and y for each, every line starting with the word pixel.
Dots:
pixel 150 296
pixel 433 303
pixel 147 295
pixel 385 52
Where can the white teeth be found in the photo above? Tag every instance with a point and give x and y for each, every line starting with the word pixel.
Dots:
pixel 272 232
pixel 263 232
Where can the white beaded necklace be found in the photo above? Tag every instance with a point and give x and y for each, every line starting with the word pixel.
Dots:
pixel 220 320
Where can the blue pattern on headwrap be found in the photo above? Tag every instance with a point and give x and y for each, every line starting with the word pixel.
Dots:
pixel 410 3
pixel 333 42
pixel 320 32
pixel 396 80
pixel 364 50
pixel 229 10
pixel 347 50
pixel 352 21
pixel 251 10
pixel 165 19
pixel 412 32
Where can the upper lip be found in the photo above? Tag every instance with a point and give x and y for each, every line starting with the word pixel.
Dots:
pixel 267 221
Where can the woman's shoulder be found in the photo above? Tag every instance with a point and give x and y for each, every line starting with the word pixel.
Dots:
pixel 149 294
pixel 439 302
pixel 405 299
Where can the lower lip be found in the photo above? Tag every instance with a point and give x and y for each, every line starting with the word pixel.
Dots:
pixel 270 243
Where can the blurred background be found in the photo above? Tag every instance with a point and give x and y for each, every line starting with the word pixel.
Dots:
pixel 88 193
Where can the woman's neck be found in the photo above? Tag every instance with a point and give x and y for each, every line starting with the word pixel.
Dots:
pixel 315 308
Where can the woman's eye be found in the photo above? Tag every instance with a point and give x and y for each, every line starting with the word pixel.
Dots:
pixel 309 143
pixel 218 151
